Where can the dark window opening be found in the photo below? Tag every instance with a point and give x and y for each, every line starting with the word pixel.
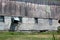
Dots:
pixel 15 21
pixel 1 18
pixel 58 21
pixel 36 20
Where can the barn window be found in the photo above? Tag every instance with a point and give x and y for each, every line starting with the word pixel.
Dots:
pixel 50 21
pixel 1 18
pixel 36 20
pixel 18 19
pixel 58 21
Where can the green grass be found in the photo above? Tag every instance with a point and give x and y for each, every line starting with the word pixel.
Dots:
pixel 26 36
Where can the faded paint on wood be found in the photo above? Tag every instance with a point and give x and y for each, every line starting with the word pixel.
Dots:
pixel 24 9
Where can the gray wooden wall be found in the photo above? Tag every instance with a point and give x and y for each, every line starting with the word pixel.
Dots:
pixel 39 9
pixel 30 24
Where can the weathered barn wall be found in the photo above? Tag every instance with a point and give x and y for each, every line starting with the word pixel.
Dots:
pixel 55 12
pixel 29 24
pixel 43 24
pixel 6 24
pixel 29 9
pixel 39 9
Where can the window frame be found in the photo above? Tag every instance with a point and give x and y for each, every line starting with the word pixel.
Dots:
pixel 2 19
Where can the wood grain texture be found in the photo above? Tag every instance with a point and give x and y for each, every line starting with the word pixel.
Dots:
pixel 45 9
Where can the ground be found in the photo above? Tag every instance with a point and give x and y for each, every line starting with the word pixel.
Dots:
pixel 22 36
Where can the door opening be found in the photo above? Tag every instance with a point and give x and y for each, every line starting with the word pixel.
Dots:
pixel 14 23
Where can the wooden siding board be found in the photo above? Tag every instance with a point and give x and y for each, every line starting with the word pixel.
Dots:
pixel 14 8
